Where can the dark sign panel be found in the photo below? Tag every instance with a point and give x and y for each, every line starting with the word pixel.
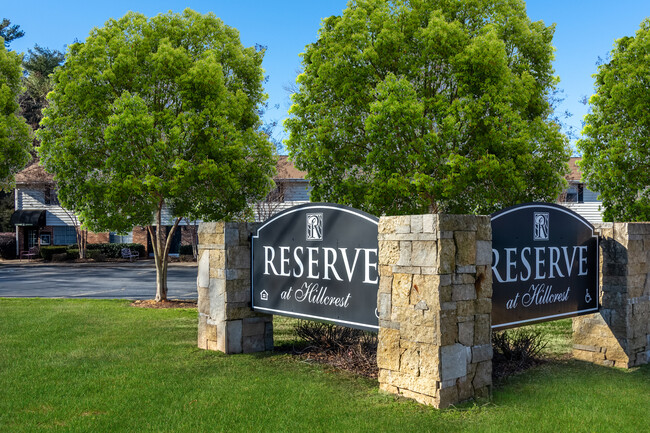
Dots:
pixel 318 261
pixel 544 265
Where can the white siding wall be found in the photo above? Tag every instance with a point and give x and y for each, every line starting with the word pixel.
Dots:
pixel 296 190
pixel 34 199
pixel 589 210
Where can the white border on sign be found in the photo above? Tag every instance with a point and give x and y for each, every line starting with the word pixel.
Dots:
pixel 593 235
pixel 294 209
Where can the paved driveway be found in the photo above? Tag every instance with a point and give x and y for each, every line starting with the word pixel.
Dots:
pixel 105 281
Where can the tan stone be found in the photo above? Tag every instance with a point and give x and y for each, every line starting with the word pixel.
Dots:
pixel 410 362
pixel 482 329
pixel 402 284
pixel 423 253
pixel 425 287
pixel 466 333
pixel 388 349
pixel 446 256
pixel 417 333
pixel 465 248
pixel 389 252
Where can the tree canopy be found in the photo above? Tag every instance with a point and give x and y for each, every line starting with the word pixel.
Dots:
pixel 153 114
pixel 9 33
pixel 616 144
pixel 429 106
pixel 39 64
pixel 15 140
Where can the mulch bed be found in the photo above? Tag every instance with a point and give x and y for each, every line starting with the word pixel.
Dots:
pixel 171 303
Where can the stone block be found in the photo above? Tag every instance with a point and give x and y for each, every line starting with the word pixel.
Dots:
pixel 238 257
pixel 217 262
pixel 389 252
pixel 483 375
pixel 416 223
pixel 482 329
pixel 463 292
pixel 465 248
pixel 203 300
pixel 386 224
pixel 388 349
pixel 466 333
pixel 446 256
pixel 233 336
pixel 253 326
pixel 447 397
pixel 404 254
pixel 417 333
pixel 409 362
pixel 202 339
pixel 402 284
pixel 481 353
pixel 203 272
pixel 423 253
pixel 483 253
pixel 453 361
pixel 425 287
pixel 458 222
pixel 429 223
pixel 384 305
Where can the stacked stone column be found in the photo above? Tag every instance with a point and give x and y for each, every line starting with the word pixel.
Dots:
pixel 226 321
pixel 619 334
pixel 435 307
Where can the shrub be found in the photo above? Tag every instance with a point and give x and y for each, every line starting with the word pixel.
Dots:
pixel 114 251
pixel 8 246
pixel 48 251
pixel 347 348
pixel 73 253
pixel 515 350
pixel 96 255
pixel 62 257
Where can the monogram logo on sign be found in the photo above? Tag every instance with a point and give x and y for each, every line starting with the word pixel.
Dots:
pixel 541 226
pixel 314 226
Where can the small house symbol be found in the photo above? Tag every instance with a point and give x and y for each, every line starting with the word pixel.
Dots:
pixel 264 295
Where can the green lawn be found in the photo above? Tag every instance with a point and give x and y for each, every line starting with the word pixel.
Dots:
pixel 102 366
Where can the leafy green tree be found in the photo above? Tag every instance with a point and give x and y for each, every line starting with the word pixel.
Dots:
pixel 429 106
pixel 9 33
pixel 39 65
pixel 156 115
pixel 616 144
pixel 15 140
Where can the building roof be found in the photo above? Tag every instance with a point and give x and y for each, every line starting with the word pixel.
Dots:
pixel 35 173
pixel 286 169
pixel 575 174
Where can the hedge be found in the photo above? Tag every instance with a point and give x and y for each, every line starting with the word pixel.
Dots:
pixel 8 246
pixel 48 251
pixel 114 251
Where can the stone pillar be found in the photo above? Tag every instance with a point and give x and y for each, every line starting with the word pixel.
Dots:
pixel 619 334
pixel 435 305
pixel 226 321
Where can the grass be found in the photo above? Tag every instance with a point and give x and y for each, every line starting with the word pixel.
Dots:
pixel 102 366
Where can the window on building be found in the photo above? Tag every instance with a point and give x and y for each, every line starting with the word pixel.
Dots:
pixel 51 197
pixel 64 235
pixel 116 238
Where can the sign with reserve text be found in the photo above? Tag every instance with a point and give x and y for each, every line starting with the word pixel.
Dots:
pixel 318 261
pixel 544 265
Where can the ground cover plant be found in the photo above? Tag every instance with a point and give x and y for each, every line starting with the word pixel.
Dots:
pixel 88 365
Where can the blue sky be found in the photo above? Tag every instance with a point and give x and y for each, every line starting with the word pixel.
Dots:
pixel 585 30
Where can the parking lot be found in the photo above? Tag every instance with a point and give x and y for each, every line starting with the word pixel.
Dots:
pixel 98 281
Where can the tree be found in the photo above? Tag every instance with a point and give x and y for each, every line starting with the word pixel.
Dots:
pixel 39 65
pixel 15 139
pixel 424 105
pixel 157 115
pixel 9 33
pixel 616 138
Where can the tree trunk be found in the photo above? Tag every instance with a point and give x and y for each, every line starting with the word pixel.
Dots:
pixel 161 254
